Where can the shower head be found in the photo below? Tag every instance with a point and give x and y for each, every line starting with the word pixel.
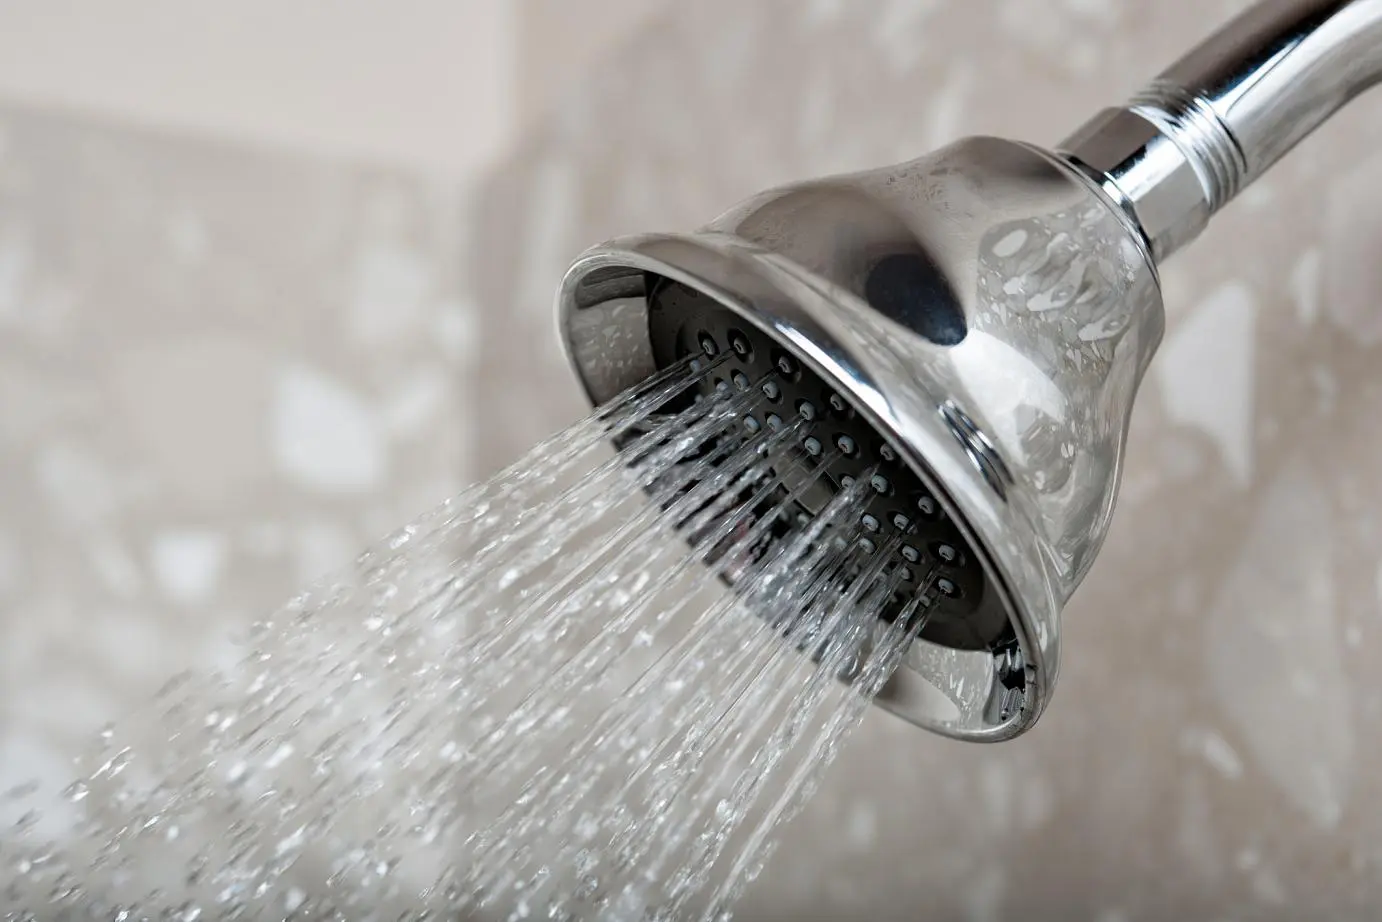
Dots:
pixel 971 328
pixel 888 300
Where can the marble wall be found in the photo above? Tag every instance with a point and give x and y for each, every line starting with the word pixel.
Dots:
pixel 224 366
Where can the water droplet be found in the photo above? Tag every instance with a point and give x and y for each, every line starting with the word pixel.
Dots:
pixel 237 772
pixel 279 756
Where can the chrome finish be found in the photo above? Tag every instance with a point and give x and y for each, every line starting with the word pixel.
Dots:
pixel 1228 110
pixel 1140 166
pixel 1018 428
pixel 1018 422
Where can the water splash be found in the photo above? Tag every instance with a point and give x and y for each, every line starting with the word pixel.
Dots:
pixel 594 686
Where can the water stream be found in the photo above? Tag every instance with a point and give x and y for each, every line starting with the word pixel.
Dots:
pixel 542 700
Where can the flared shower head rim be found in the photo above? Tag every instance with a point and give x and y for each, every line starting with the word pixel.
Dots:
pixel 805 315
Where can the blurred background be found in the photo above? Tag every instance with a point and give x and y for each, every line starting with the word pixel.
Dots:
pixel 276 277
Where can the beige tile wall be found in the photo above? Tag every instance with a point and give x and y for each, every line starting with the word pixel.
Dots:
pixel 559 41
pixel 250 321
pixel 424 84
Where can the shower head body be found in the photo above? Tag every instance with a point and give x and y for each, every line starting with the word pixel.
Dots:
pixel 987 311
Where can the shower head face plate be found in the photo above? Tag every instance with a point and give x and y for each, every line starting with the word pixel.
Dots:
pixel 958 604
pixel 976 671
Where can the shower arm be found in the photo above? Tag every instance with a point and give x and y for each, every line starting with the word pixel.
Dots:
pixel 1219 117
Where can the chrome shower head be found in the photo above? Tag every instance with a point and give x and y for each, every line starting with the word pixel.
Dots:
pixel 974 324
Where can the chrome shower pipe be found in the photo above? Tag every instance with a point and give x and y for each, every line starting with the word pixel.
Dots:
pixel 1219 117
